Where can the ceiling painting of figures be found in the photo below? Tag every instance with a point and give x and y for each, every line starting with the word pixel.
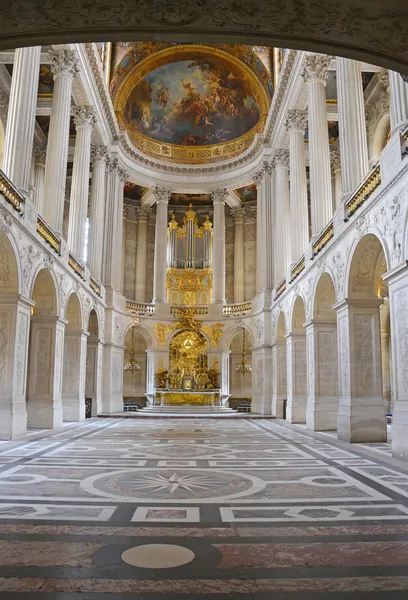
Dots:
pixel 199 101
pixel 247 193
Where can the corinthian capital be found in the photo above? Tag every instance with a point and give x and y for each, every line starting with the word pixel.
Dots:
pixel 219 195
pixel 64 62
pixel 161 194
pixel 335 160
pixel 281 157
pixel 40 153
pixel 316 67
pixel 237 214
pixel 122 173
pixel 295 120
pixel 143 213
pixel 84 116
pixel 99 154
pixel 258 177
pixel 4 103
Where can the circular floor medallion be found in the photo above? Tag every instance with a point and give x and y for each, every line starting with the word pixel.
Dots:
pixel 158 556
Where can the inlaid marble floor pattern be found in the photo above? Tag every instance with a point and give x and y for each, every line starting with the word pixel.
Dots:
pixel 200 509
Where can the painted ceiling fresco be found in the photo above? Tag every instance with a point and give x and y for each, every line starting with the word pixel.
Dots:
pixel 199 101
pixel 247 193
pixel 133 191
pixel 178 198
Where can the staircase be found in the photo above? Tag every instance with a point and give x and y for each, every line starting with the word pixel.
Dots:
pixel 190 410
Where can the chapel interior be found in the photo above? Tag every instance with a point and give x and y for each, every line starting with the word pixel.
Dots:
pixel 203 318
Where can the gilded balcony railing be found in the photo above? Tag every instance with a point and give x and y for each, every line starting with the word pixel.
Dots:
pixel 76 266
pixel 191 311
pixel 238 309
pixel 364 191
pixel 297 269
pixel 10 193
pixel 95 287
pixel 280 288
pixel 141 308
pixel 48 235
pixel 323 239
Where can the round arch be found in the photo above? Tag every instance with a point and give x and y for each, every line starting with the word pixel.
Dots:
pixel 380 136
pixel 353 28
pixel 368 260
pixel 231 332
pixel 324 297
pixel 44 293
pixel 9 265
pixel 298 315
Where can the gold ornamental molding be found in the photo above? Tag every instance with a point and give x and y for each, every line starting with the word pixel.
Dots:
pixel 180 153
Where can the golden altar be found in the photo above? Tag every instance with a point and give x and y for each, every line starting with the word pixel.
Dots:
pixel 178 397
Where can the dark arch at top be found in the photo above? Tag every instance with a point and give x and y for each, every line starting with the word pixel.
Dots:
pixel 374 31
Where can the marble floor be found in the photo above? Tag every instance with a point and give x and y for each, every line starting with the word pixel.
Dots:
pixel 200 509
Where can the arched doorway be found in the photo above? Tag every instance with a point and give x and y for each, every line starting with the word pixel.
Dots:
pixel 75 347
pixel 361 407
pixel 240 367
pixel 296 365
pixel 135 366
pixel 93 377
pixel 14 327
pixel 44 408
pixel 322 367
pixel 280 387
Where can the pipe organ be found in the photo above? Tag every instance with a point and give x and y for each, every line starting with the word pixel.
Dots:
pixel 189 260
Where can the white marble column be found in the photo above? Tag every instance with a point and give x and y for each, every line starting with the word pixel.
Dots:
pixel 64 65
pixel 19 139
pixel 84 118
pixel 315 74
pixel 295 123
pixel 336 170
pixel 143 213
pixel 361 416
pixel 218 293
pixel 238 215
pixel 398 101
pixel 260 231
pixel 352 124
pixel 40 154
pixel 160 245
pixel 97 211
pixel 283 225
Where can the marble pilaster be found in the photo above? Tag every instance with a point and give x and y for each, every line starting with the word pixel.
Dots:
pixel 19 138
pixel 322 376
pixel 336 170
pixel 109 242
pixel 296 377
pixel 283 225
pixel 238 215
pixel 361 416
pixel 122 175
pixel 143 214
pixel 160 245
pixel 398 101
pixel 218 293
pixel 279 382
pixel 64 66
pixel 73 381
pixel 260 233
pixel 295 123
pixel 352 124
pixel 40 153
pixel 97 211
pixel 84 118
pixel 315 74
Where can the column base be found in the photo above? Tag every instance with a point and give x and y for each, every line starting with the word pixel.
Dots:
pixel 73 409
pixel 321 414
pixel 296 410
pixel 43 414
pixel 277 407
pixel 261 406
pixel 361 420
pixel 400 430
pixel 13 423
